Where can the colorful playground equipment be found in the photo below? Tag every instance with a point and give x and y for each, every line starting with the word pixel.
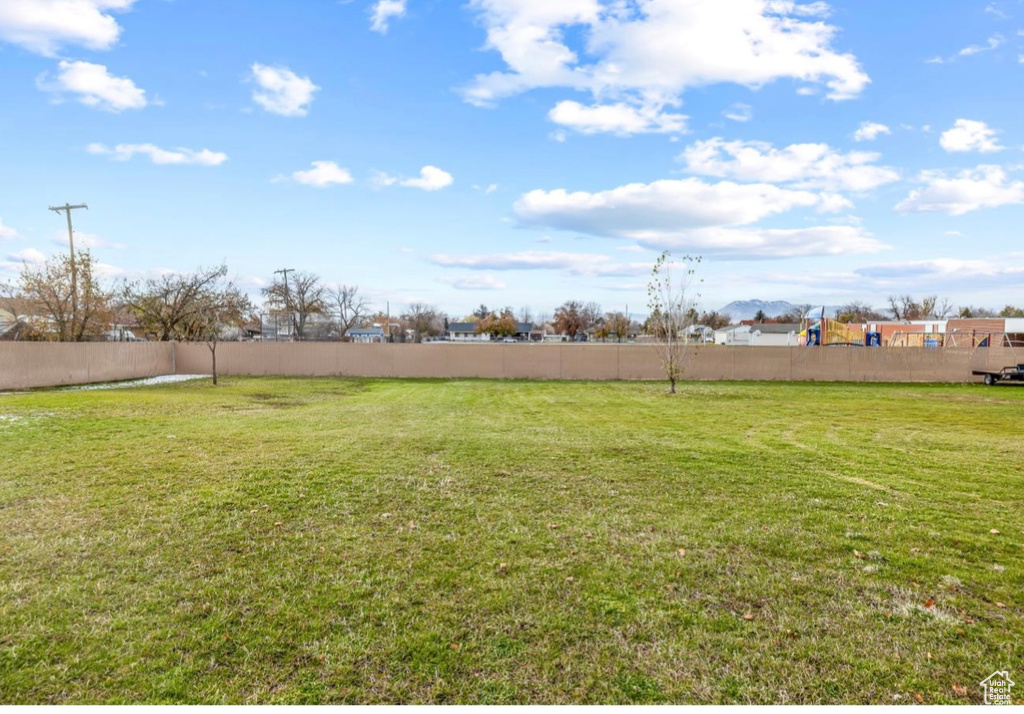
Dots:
pixel 822 331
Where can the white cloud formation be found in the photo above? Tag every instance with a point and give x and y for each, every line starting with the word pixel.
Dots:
pixel 84 240
pixel 580 264
pixel 382 13
pixel 30 256
pixel 948 271
pixel 94 87
pixel 969 135
pixel 767 243
pixel 647 54
pixel 739 112
pixel 322 175
pixel 693 215
pixel 993 43
pixel 282 91
pixel 179 156
pixel 476 282
pixel 869 131
pixel 8 233
pixel 815 166
pixel 632 210
pixel 44 26
pixel 621 118
pixel 431 178
pixel 984 187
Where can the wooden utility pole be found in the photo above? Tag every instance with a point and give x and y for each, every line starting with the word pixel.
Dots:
pixel 288 300
pixel 68 208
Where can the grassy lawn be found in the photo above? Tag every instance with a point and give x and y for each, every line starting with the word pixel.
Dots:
pixel 304 541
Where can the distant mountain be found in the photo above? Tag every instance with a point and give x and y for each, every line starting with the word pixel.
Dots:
pixel 746 309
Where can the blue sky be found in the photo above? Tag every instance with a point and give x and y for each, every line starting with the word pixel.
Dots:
pixel 525 152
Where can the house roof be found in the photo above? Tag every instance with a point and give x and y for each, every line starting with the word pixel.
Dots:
pixel 365 332
pixel 776 328
pixel 471 327
pixel 734 328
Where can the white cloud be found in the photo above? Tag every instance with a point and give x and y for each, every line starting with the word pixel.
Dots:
pixel 805 165
pixel 476 282
pixel 431 178
pixel 577 264
pixel 179 156
pixel 44 26
pixel 968 135
pixel 283 91
pixel 8 233
pixel 948 272
pixel 970 190
pixel 634 209
pixel 766 243
pixel 693 215
pixel 647 54
pixel 94 86
pixel 621 118
pixel 29 256
pixel 322 175
pixel 83 240
pixel 869 131
pixel 383 11
pixel 993 43
pixel 739 112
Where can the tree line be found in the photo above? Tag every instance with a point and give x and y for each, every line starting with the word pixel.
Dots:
pixel 205 304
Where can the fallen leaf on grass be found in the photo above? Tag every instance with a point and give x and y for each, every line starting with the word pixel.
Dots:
pixel 994 532
pixel 959 690
pixel 748 617
pixel 930 604
pixel 1000 605
pixel 918 698
pixel 570 579
pixel 278 524
pixel 682 551
pixel 456 646
pixel 858 554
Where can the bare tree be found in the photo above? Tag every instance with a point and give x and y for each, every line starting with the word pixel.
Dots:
pixel 50 290
pixel 905 307
pixel 858 312
pixel 220 310
pixel 671 299
pixel 300 297
pixel 347 307
pixel 168 307
pixel 424 320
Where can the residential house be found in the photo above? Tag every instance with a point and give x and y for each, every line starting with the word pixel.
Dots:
pixel 774 334
pixel 733 335
pixel 367 335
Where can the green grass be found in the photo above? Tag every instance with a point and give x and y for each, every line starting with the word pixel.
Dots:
pixel 307 541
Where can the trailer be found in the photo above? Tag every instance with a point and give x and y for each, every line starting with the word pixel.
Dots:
pixel 1006 374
